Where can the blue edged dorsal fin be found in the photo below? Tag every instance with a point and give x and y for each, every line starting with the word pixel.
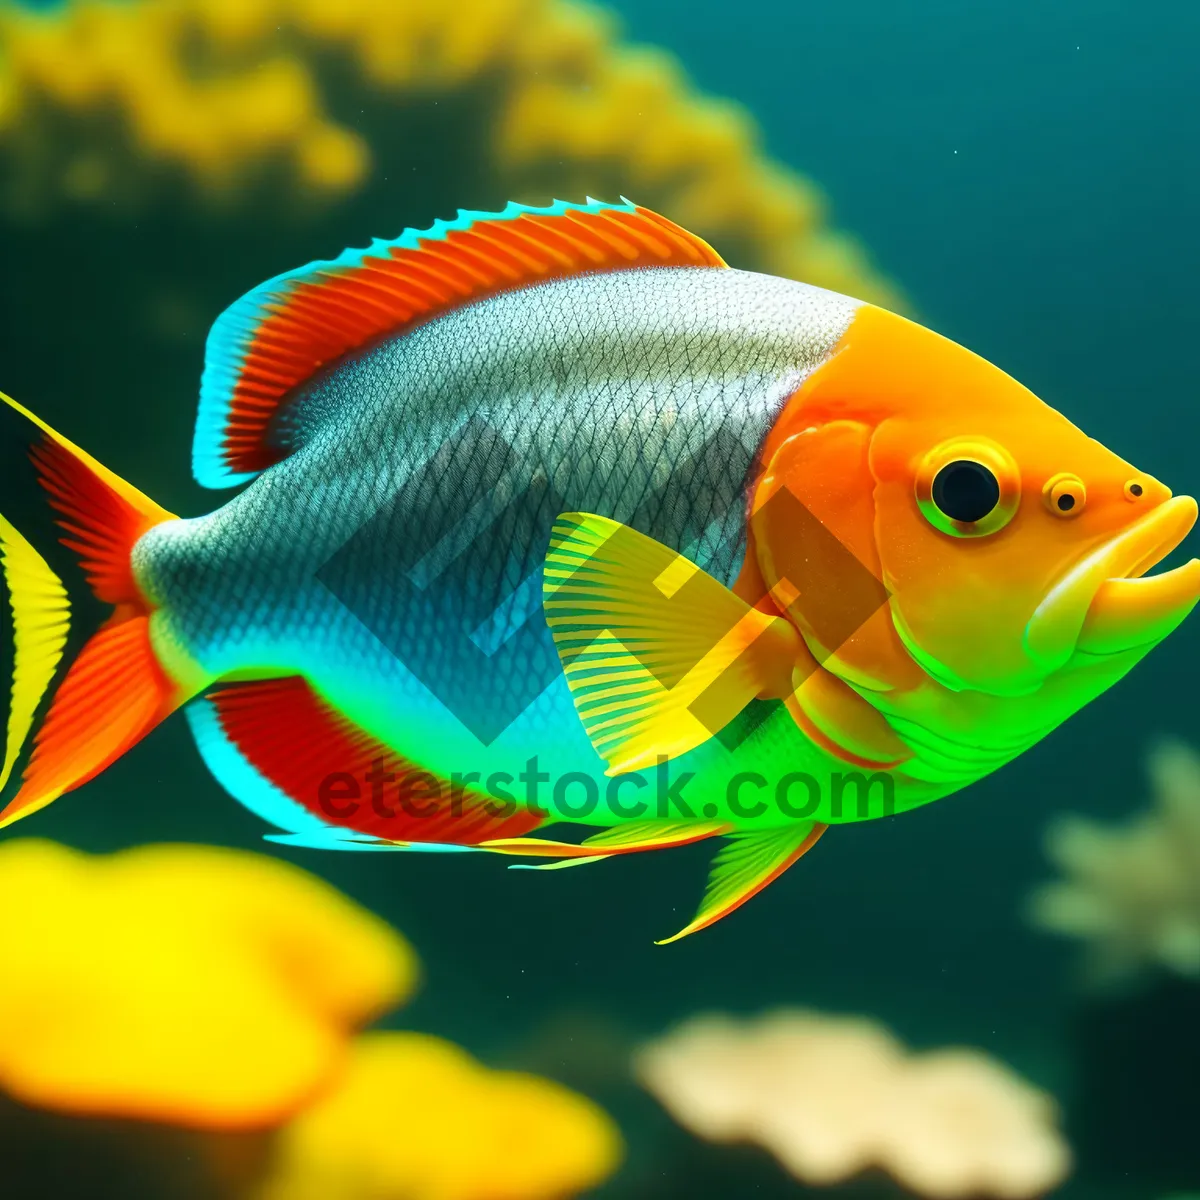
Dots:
pixel 280 334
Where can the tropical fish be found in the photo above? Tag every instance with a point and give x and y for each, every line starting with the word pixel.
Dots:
pixel 549 516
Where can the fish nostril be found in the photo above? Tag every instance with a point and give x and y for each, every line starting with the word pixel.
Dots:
pixel 1065 495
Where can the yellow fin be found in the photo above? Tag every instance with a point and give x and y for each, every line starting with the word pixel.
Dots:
pixel 630 838
pixel 559 864
pixel 745 866
pixel 654 835
pixel 659 655
pixel 41 618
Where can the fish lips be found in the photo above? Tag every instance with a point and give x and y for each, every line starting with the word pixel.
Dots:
pixel 1104 605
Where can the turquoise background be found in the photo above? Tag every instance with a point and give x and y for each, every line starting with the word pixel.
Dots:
pixel 1029 172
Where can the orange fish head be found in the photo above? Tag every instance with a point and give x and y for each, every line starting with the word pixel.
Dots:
pixel 1005 546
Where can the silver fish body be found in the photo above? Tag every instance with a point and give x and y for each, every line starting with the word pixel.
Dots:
pixel 394 557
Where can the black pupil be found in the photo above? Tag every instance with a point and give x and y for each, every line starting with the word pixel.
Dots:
pixel 1066 503
pixel 1135 489
pixel 965 491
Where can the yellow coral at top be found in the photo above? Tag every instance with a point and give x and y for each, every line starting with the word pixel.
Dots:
pixel 418 1118
pixel 197 986
pixel 224 92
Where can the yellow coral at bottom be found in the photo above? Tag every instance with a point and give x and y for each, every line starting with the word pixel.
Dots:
pixel 415 1117
pixel 183 984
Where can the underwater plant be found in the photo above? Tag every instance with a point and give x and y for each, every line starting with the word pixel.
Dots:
pixel 200 989
pixel 832 1096
pixel 1131 893
pixel 291 106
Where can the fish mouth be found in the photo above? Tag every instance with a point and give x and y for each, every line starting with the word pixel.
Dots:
pixel 1106 604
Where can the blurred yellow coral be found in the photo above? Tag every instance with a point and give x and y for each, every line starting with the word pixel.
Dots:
pixel 418 1118
pixel 98 99
pixel 221 991
pixel 831 1096
pixel 189 985
pixel 1132 892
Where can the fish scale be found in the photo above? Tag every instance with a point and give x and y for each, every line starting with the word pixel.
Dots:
pixel 628 372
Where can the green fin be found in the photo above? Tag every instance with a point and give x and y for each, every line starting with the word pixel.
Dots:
pixel 659 655
pixel 654 835
pixel 745 866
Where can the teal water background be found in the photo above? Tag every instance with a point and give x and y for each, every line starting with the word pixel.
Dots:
pixel 1029 173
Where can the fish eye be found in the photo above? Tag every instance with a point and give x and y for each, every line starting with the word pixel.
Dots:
pixel 1133 490
pixel 965 491
pixel 1065 494
pixel 968 487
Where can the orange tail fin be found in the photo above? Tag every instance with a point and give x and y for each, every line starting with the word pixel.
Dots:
pixel 115 691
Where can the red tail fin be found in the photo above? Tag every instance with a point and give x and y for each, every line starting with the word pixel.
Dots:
pixel 115 691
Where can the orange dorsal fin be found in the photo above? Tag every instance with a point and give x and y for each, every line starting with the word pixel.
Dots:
pixel 301 747
pixel 284 331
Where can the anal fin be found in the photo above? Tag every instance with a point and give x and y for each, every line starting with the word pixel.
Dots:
pixel 309 770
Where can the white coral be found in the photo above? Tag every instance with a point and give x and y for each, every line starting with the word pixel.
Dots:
pixel 832 1096
pixel 1132 892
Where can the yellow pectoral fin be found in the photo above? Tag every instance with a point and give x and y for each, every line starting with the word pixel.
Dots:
pixel 659 655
